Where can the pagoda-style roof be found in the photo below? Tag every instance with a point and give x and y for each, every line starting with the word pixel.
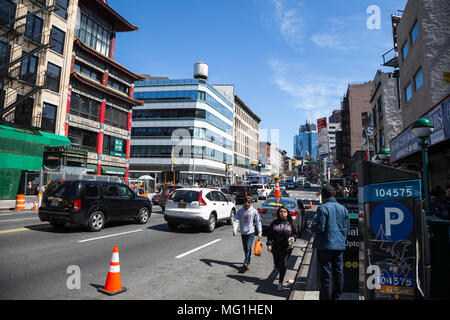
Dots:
pixel 111 62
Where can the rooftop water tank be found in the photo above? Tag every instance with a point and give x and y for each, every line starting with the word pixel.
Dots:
pixel 200 70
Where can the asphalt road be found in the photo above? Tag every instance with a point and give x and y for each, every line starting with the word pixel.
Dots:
pixel 41 262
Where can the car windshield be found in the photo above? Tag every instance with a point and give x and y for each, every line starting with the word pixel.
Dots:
pixel 258 186
pixel 185 195
pixel 68 190
pixel 288 203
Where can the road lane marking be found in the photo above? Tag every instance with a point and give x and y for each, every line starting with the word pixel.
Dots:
pixel 109 236
pixel 14 230
pixel 12 220
pixel 196 249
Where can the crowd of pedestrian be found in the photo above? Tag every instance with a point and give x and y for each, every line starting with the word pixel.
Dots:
pixel 440 202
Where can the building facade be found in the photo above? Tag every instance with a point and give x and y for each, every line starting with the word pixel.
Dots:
pixel 100 92
pixel 184 129
pixel 421 41
pixel 306 142
pixel 246 140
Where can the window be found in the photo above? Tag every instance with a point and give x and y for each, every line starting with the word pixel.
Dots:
pixel 92 191
pixel 90 72
pixel 92 32
pixel 380 109
pixel 57 38
pixel 61 8
pixel 53 77
pixel 28 69
pixel 115 117
pixel 33 28
pixel 418 79
pixel 5 49
pixel 414 33
pixel 48 118
pixel 84 107
pixel 408 92
pixel 83 138
pixel 405 51
pixel 7 11
pixel 125 191
pixel 117 85
pixel 114 146
pixel 110 191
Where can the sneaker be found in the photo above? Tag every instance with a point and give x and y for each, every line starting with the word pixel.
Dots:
pixel 280 287
pixel 245 267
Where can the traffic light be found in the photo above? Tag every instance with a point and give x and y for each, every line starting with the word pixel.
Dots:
pixel 294 161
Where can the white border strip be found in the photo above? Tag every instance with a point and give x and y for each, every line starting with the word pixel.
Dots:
pixel 196 249
pixel 109 236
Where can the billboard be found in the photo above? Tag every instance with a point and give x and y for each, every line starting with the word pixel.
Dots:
pixel 322 135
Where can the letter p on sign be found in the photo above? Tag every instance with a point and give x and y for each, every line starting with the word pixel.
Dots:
pixel 388 217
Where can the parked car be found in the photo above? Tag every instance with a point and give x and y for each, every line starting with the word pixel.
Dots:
pixel 240 192
pixel 268 212
pixel 290 185
pixel 92 204
pixel 199 207
pixel 263 190
pixel 306 184
pixel 282 192
pixel 227 193
pixel 165 195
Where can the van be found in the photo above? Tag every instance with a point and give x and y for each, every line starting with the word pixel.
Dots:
pixel 240 192
pixel 91 204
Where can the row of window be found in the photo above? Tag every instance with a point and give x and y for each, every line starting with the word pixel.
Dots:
pixel 415 85
pixel 166 152
pixel 200 133
pixel 93 33
pixel 185 95
pixel 88 140
pixel 413 34
pixel 182 114
pixel 89 109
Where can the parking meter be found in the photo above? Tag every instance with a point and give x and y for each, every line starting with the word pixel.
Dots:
pixel 392 242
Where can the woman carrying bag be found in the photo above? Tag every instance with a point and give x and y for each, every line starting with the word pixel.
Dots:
pixel 280 240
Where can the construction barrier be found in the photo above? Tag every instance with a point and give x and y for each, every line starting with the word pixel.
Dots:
pixel 20 202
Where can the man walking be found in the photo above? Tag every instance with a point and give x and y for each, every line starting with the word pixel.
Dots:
pixel 246 219
pixel 331 225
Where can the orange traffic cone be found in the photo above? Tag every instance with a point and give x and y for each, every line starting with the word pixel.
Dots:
pixel 277 190
pixel 113 285
pixel 35 207
pixel 310 204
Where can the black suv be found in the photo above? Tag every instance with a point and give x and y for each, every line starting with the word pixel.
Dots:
pixel 92 204
pixel 240 192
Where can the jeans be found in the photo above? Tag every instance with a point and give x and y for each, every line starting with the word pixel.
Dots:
pixel 280 258
pixel 331 274
pixel 247 242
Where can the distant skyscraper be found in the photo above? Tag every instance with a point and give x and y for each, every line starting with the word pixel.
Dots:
pixel 306 142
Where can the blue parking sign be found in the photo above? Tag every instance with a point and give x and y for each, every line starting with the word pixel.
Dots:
pixel 391 221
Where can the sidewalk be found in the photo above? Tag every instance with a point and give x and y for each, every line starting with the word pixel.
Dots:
pixel 302 271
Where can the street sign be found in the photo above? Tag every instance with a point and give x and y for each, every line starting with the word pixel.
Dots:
pixel 391 221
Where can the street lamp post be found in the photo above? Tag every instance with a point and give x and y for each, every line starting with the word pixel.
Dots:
pixel 422 128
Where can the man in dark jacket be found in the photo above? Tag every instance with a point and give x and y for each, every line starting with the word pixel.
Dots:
pixel 331 225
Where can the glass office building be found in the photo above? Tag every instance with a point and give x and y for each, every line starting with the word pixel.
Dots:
pixel 306 142
pixel 183 130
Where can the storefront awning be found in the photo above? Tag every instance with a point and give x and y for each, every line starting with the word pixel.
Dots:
pixel 91 168
pixel 114 171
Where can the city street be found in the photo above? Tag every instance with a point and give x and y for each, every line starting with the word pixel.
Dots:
pixel 38 261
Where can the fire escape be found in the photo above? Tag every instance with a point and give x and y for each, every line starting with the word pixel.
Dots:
pixel 390 58
pixel 22 45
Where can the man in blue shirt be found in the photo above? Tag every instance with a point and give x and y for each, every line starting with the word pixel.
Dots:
pixel 331 225
pixel 246 219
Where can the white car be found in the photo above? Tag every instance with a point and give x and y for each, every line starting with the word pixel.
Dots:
pixel 199 207
pixel 263 190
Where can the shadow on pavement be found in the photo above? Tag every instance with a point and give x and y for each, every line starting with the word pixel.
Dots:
pixel 234 265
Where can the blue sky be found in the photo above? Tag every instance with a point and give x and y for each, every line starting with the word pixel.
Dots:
pixel 290 61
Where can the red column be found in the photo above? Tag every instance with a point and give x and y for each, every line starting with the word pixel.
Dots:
pixel 105 79
pixel 66 123
pixel 131 91
pixel 112 45
pixel 101 119
pixel 128 151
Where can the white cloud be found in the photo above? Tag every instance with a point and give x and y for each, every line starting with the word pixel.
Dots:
pixel 316 95
pixel 328 40
pixel 289 21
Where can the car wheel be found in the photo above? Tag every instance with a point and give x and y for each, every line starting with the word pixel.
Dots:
pixel 96 221
pixel 211 223
pixel 163 208
pixel 143 216
pixel 232 215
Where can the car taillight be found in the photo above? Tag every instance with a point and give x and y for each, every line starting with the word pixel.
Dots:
pixel 245 193
pixel 77 204
pixel 201 201
pixel 262 211
pixel 294 213
pixel 269 196
pixel 263 190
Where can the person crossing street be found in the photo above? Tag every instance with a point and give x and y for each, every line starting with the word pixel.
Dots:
pixel 246 219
